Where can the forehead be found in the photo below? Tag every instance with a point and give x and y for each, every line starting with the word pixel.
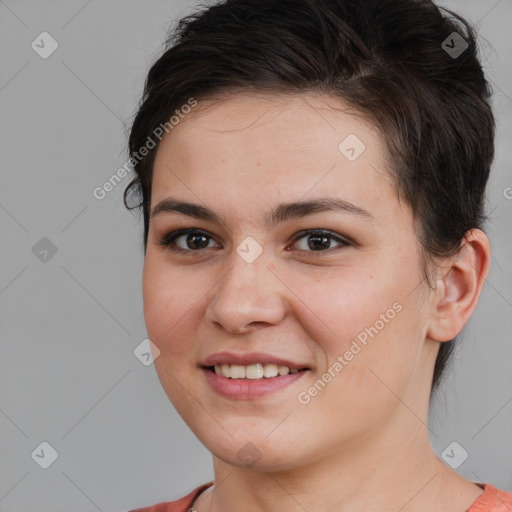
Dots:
pixel 261 149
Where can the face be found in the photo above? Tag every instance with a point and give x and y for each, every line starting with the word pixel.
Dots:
pixel 250 285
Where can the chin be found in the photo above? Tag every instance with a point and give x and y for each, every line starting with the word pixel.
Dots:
pixel 256 452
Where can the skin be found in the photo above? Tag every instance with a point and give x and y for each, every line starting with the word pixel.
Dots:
pixel 362 443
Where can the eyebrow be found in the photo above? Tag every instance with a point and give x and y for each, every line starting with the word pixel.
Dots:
pixel 282 213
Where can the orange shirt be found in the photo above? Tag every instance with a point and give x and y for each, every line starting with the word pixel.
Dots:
pixel 492 500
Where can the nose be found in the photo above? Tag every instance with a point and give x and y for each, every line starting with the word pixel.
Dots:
pixel 248 297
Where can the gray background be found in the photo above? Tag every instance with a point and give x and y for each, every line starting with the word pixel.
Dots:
pixel 69 325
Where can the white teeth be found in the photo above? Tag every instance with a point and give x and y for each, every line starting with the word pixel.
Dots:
pixel 237 371
pixel 283 370
pixel 270 370
pixel 253 371
pixel 225 370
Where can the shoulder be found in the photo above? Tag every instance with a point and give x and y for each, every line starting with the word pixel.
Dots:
pixel 492 500
pixel 181 505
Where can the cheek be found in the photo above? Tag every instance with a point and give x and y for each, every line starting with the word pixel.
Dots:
pixel 341 308
pixel 369 324
pixel 169 302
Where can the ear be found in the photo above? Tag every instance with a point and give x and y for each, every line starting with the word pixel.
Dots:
pixel 459 286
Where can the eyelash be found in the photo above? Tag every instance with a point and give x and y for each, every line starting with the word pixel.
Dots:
pixel 168 240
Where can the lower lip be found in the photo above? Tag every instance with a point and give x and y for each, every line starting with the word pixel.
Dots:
pixel 247 389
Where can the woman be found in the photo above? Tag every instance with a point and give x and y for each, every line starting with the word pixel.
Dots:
pixel 312 176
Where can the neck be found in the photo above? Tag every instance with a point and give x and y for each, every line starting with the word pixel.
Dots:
pixel 382 471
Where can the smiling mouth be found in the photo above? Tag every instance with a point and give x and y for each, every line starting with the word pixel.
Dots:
pixel 253 371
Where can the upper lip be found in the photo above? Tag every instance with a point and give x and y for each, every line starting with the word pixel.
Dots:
pixel 249 358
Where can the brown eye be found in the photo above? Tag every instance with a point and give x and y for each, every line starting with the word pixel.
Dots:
pixel 318 240
pixel 190 240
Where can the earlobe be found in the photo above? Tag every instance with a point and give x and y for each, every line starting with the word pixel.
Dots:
pixel 459 287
